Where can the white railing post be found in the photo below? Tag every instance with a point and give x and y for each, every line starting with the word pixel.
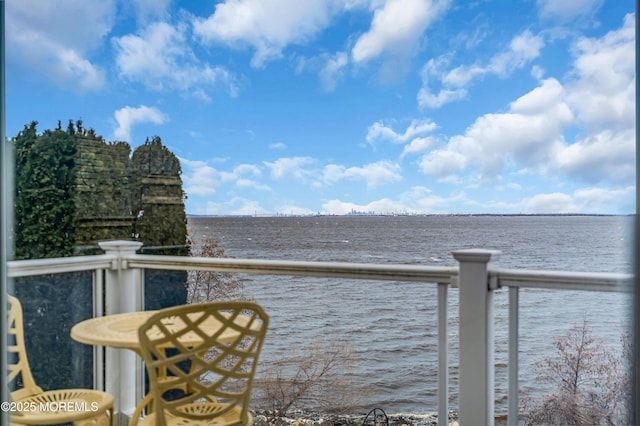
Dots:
pixel 514 325
pixel 123 292
pixel 476 337
pixel 443 355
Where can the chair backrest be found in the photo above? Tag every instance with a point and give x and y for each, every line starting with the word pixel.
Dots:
pixel 19 380
pixel 221 341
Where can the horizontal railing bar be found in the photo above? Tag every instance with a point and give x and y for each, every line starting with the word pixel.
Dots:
pixel 562 280
pixel 59 265
pixel 363 271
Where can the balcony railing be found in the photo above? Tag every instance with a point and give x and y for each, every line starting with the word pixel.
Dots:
pixel 118 275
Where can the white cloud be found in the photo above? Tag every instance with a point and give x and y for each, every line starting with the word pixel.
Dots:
pixel 523 48
pixel 602 88
pixel 461 75
pixel 292 209
pixel 199 178
pixel 537 72
pixel 528 134
pixel 600 200
pixel 296 167
pixel 418 145
pixel 236 206
pixel 423 200
pixel 240 170
pixel 71 65
pixel 150 10
pixel 417 199
pixel 396 26
pixel 277 145
pixel 333 70
pixel 512 186
pixel 247 169
pixel 379 131
pixel 434 69
pixel 160 58
pixel 602 94
pixel 606 155
pixel 564 10
pixel 128 116
pixel 244 176
pixel 597 104
pixel 268 26
pixel 374 174
pixel 345 207
pixel 443 163
pixel 586 200
pixel 253 184
pixel 451 84
pixel 56 39
pixel 444 96
pixel 556 202
pixel 366 4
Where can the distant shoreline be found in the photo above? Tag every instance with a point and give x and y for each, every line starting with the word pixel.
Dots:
pixel 420 215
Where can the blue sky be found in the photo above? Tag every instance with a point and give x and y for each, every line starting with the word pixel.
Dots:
pixel 329 106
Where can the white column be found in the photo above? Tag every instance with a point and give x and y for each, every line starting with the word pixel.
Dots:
pixel 476 337
pixel 124 293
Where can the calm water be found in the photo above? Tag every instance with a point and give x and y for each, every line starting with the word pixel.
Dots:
pixel 390 326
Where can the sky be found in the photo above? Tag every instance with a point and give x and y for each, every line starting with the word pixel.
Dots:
pixel 291 107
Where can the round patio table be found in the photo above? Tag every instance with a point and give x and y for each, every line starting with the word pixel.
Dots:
pixel 121 330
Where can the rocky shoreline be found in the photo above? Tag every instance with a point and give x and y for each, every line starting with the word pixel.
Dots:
pixel 300 418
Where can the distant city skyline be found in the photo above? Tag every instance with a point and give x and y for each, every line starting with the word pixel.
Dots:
pixel 335 106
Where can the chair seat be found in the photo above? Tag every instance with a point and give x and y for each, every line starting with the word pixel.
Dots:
pixel 230 418
pixel 68 405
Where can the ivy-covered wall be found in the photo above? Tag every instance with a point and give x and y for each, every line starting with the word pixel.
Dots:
pixel 158 200
pixel 103 191
pixel 74 189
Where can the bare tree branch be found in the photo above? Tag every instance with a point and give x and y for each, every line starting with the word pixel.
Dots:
pixel 592 383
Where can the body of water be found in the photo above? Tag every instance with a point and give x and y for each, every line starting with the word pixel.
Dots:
pixel 391 327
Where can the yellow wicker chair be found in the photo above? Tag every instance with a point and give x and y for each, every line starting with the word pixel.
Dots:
pixel 219 379
pixel 36 407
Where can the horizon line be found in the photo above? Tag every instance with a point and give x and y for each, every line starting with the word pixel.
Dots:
pixel 283 215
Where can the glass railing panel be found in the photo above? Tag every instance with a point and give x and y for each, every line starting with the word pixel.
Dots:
pixel 379 338
pixel 564 334
pixel 51 305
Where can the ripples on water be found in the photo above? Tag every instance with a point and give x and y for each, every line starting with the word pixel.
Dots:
pixel 392 327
